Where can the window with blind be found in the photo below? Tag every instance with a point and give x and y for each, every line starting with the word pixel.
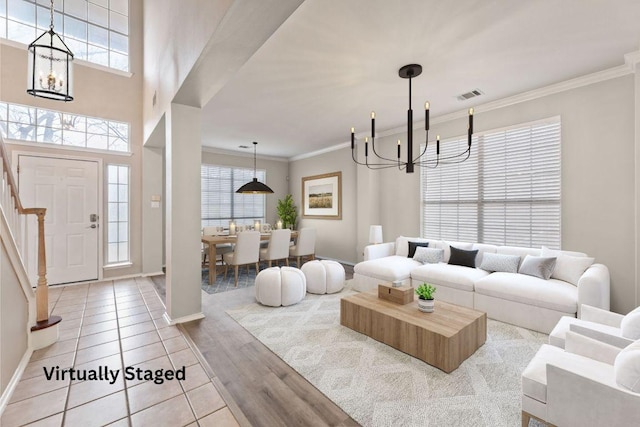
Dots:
pixel 220 202
pixel 506 193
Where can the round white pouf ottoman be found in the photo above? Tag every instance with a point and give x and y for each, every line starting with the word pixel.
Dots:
pixel 278 286
pixel 324 276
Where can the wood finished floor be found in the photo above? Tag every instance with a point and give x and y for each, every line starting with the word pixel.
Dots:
pixel 267 390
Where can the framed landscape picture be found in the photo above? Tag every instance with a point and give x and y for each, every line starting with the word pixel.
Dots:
pixel 322 196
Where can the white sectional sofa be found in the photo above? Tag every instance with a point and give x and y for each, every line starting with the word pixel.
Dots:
pixel 515 298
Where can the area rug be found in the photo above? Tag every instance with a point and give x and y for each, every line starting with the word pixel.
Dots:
pixel 380 386
pixel 245 278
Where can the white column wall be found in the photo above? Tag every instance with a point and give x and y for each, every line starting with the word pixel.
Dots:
pixel 183 247
pixel 152 178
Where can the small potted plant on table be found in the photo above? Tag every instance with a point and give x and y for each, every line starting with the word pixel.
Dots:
pixel 425 300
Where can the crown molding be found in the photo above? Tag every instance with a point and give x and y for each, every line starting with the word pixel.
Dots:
pixel 214 150
pixel 319 152
pixel 632 63
pixel 632 60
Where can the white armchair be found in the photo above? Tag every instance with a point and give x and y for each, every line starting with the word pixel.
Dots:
pixel 278 247
pixel 602 325
pixel 589 383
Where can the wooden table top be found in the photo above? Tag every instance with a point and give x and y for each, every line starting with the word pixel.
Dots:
pixel 225 238
pixel 446 320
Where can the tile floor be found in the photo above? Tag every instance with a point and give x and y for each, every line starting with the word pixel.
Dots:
pixel 115 324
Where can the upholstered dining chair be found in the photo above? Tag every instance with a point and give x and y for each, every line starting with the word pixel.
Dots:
pixel 278 247
pixel 305 245
pixel 221 249
pixel 246 251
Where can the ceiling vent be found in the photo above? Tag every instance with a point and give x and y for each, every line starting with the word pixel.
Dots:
pixel 469 95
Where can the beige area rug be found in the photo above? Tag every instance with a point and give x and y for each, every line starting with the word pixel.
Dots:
pixel 380 386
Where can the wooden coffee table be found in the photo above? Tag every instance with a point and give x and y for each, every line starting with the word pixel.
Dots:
pixel 444 338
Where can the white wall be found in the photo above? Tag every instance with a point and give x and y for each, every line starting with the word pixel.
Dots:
pixel 598 191
pixel 336 239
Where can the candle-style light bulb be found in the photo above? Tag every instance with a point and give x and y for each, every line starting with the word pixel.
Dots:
pixel 438 145
pixel 470 124
pixel 398 149
pixel 366 146
pixel 426 115
pixel 353 138
pixel 373 125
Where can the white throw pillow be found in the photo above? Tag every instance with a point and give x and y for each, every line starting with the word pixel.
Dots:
pixel 500 262
pixel 568 268
pixel 429 255
pixel 627 367
pixel 630 325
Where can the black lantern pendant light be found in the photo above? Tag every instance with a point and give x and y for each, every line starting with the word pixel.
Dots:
pixel 255 186
pixel 50 67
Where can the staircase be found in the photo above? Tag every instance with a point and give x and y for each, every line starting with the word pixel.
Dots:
pixel 25 324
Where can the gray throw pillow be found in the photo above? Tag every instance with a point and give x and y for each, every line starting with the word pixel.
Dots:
pixel 538 266
pixel 500 262
pixel 429 255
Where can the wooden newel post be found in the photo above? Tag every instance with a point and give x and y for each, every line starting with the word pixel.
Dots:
pixel 42 289
pixel 43 320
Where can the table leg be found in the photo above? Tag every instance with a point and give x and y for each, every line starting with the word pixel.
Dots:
pixel 212 263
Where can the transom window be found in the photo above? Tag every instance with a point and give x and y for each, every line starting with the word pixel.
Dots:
pixel 221 203
pixel 95 30
pixel 32 124
pixel 506 193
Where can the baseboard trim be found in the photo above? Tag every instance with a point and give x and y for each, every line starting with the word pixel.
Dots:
pixel 183 319
pixel 15 379
pixel 157 273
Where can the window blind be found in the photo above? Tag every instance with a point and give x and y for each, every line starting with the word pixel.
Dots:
pixel 220 203
pixel 506 193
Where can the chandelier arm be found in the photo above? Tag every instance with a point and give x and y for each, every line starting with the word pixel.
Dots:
pixel 377 165
pixel 443 160
pixel 373 146
pixel 426 144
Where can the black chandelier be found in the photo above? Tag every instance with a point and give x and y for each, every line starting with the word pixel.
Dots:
pixel 254 186
pixel 50 73
pixel 408 72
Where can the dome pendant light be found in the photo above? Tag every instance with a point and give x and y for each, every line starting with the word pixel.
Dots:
pixel 50 73
pixel 255 186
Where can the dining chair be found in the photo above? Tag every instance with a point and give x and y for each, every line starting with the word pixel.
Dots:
pixel 278 247
pixel 221 249
pixel 246 252
pixel 305 245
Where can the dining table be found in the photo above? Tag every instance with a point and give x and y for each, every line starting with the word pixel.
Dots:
pixel 212 240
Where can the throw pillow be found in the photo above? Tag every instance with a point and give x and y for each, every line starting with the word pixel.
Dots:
pixel 462 257
pixel 538 266
pixel 500 262
pixel 447 245
pixel 568 268
pixel 429 255
pixel 413 246
pixel 627 367
pixel 630 325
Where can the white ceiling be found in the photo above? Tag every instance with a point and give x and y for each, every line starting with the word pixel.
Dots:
pixel 334 61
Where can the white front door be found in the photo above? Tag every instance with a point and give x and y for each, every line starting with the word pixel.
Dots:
pixel 68 189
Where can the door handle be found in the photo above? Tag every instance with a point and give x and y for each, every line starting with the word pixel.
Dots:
pixel 93 226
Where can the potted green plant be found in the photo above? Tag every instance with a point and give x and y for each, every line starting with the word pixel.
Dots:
pixel 425 301
pixel 287 212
